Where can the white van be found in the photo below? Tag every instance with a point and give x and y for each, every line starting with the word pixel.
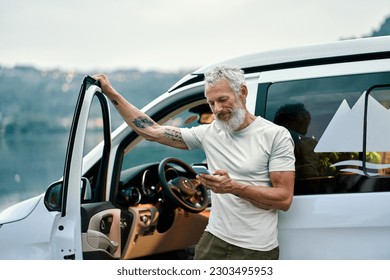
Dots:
pixel 132 199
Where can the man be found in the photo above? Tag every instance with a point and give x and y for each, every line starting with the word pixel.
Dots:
pixel 251 160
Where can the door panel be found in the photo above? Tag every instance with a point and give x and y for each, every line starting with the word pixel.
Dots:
pixel 101 231
pixel 337 226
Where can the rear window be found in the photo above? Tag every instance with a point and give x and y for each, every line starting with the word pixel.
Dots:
pixel 340 130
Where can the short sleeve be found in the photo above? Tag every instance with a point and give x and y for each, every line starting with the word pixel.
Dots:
pixel 193 136
pixel 282 156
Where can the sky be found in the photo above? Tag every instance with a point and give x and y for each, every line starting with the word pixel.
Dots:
pixel 171 35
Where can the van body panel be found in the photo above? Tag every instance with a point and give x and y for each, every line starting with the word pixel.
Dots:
pixel 336 226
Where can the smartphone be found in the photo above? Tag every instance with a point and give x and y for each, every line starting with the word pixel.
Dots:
pixel 200 169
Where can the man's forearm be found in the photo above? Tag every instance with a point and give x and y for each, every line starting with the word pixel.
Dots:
pixel 136 119
pixel 144 125
pixel 263 197
pixel 245 192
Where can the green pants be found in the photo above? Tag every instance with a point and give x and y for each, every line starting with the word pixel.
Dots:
pixel 211 247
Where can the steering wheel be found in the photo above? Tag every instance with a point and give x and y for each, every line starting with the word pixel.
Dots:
pixel 186 193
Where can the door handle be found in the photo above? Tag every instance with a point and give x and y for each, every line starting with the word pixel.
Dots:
pixel 99 240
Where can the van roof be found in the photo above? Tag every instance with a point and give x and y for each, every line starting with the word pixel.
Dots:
pixel 334 52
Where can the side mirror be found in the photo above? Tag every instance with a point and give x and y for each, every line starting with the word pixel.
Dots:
pixel 53 197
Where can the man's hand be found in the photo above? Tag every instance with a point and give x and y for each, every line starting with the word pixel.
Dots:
pixel 105 85
pixel 279 196
pixel 218 182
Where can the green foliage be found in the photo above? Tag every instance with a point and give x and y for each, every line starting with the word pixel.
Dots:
pixel 326 160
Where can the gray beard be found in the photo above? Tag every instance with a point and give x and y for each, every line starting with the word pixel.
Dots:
pixel 236 120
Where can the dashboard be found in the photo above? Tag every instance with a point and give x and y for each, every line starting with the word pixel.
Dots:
pixel 141 184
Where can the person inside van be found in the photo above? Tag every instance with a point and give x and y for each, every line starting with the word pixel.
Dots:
pixel 297 119
pixel 251 161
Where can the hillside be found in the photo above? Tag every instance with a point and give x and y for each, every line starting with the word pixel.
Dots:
pixel 36 101
pixel 383 30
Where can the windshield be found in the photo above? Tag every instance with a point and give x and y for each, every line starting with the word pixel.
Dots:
pixel 146 152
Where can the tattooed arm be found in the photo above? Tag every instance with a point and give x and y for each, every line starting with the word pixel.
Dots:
pixel 140 122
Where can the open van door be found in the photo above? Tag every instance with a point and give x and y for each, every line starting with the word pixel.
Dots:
pixel 66 196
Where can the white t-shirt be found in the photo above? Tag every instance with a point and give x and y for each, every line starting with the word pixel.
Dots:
pixel 248 156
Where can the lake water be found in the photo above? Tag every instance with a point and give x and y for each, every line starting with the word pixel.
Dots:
pixel 29 164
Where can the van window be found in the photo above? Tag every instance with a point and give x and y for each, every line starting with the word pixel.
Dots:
pixel 326 118
pixel 377 133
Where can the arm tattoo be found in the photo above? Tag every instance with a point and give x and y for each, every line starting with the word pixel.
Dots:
pixel 172 134
pixel 114 102
pixel 142 122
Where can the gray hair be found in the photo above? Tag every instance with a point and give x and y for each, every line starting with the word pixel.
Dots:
pixel 234 75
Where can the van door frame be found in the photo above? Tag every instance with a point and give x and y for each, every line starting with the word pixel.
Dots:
pixel 66 238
